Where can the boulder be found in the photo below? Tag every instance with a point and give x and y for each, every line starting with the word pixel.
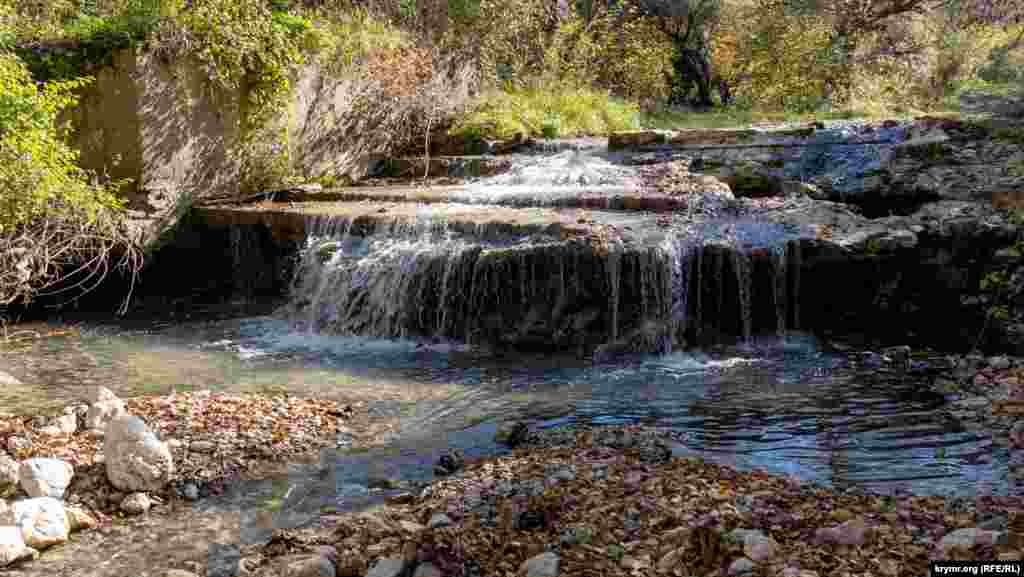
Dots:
pixel 8 476
pixel 43 477
pixel 8 380
pixel 543 565
pixel 135 459
pixel 966 540
pixel 13 547
pixel 42 521
pixel 101 413
pixel 136 504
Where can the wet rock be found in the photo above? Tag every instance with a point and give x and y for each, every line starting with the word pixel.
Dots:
pixel 8 476
pixel 387 567
pixel 439 520
pixel 449 463
pixel 427 570
pixel 543 565
pixel 310 566
pixel 741 566
pixel 13 548
pixel 512 434
pixel 42 477
pixel 136 503
pixel 135 459
pixel 42 521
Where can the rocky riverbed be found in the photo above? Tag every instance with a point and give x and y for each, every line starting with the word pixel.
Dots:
pixel 568 501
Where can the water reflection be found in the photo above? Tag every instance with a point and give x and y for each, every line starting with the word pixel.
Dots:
pixel 779 404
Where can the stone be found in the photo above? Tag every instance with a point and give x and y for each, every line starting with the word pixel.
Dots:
pixel 387 567
pixel 13 548
pixel 62 425
pixel 512 433
pixel 966 539
pixel 136 503
pixel 177 573
pixel 80 519
pixel 427 570
pixel 449 463
pixel 741 566
pixel 6 513
pixel 100 395
pixel 671 560
pixel 756 545
pixel 411 527
pixel 438 520
pixel 999 363
pixel 1017 434
pixel 101 413
pixel 8 380
pixel 312 566
pixel 852 533
pixel 8 476
pixel 42 521
pixel 135 459
pixel 18 443
pixel 543 565
pixel 43 477
pixel 190 492
pixel 202 446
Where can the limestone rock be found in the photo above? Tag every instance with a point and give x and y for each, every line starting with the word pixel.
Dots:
pixel 42 521
pixel 62 425
pixel 100 395
pixel 42 477
pixel 178 573
pixel 8 476
pixel 966 539
pixel 101 413
pixel 13 547
pixel 387 567
pixel 543 565
pixel 8 380
pixel 135 459
pixel 202 446
pixel 136 504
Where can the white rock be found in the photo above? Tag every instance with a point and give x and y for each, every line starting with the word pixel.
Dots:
pixel 543 565
pixel 439 520
pixel 8 475
pixel 100 395
pixel 42 521
pixel 178 573
pixel 8 380
pixel 13 547
pixel 100 414
pixel 79 519
pixel 741 566
pixel 43 477
pixel 387 567
pixel 136 503
pixel 135 459
pixel 967 539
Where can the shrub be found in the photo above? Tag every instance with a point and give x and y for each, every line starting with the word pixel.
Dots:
pixel 549 110
pixel 55 221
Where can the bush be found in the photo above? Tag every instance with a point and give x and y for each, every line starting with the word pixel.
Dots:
pixel 55 220
pixel 547 111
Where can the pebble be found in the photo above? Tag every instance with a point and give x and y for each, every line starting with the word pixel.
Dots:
pixel 543 565
pixel 439 520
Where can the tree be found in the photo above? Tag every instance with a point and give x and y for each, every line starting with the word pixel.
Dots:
pixel 687 23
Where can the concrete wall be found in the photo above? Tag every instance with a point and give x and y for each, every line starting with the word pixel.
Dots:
pixel 167 127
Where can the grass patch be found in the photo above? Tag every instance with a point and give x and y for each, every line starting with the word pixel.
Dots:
pixel 548 113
